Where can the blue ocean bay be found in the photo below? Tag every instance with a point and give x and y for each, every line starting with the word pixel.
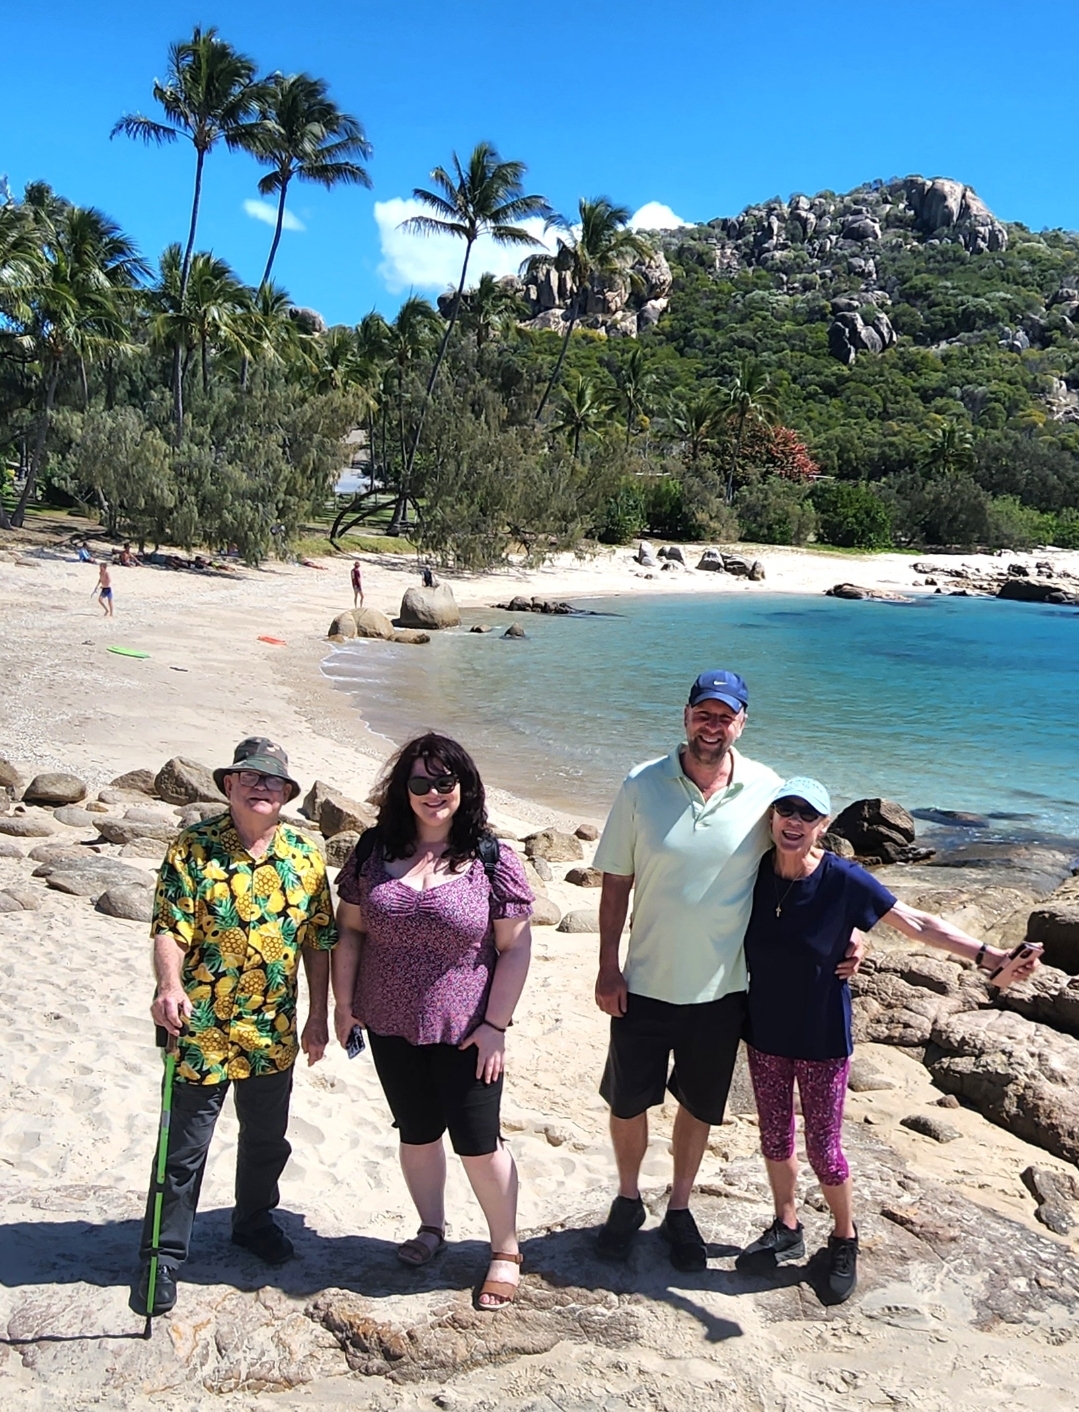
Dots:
pixel 946 703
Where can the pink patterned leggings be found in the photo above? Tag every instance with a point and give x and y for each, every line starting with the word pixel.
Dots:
pixel 822 1085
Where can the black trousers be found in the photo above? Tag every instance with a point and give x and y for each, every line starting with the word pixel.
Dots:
pixel 262 1109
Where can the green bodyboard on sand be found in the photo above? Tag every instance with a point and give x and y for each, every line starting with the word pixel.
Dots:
pixel 128 651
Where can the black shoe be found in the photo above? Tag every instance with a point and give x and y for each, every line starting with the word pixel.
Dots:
pixel 270 1244
pixel 624 1220
pixel 779 1245
pixel 688 1251
pixel 164 1291
pixel 842 1266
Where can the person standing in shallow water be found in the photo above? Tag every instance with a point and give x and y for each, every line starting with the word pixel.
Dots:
pixel 805 902
pixel 685 834
pixel 434 951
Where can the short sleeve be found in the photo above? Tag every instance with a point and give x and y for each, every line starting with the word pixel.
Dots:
pixel 174 897
pixel 348 881
pixel 511 895
pixel 868 899
pixel 614 853
pixel 320 929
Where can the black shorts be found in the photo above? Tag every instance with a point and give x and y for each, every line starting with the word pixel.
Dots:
pixel 432 1087
pixel 704 1039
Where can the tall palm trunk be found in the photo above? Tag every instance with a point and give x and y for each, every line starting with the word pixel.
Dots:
pixel 277 233
pixel 185 271
pixel 403 493
pixel 736 452
pixel 38 453
pixel 553 382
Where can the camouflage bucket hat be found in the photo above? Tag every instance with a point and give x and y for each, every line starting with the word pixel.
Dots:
pixel 258 753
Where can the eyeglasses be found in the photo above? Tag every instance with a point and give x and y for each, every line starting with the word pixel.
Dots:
pixel 441 784
pixel 251 779
pixel 788 809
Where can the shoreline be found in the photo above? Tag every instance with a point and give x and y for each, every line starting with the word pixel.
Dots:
pixel 65 702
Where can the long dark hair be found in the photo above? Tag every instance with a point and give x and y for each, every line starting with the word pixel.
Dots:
pixel 397 822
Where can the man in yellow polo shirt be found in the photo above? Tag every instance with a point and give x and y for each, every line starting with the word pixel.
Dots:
pixel 686 834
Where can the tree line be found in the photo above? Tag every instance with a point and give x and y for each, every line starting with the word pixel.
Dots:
pixel 188 407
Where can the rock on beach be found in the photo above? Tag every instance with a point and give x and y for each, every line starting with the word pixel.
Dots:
pixel 54 788
pixel 429 608
pixel 181 781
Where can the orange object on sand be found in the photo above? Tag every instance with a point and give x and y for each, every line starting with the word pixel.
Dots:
pixel 274 641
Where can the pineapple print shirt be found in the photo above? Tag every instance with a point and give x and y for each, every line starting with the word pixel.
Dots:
pixel 241 923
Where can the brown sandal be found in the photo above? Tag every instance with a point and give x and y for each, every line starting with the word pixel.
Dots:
pixel 502 1290
pixel 415 1253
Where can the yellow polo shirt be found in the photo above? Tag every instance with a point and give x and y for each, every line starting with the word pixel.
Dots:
pixel 695 863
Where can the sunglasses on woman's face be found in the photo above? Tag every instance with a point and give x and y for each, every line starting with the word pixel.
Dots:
pixel 441 784
pixel 788 809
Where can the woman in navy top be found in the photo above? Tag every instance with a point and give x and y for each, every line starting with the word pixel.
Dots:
pixel 806 902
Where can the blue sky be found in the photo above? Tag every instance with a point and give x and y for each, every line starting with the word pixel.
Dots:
pixel 701 107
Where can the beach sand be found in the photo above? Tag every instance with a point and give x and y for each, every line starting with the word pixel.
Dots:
pixel 78 1095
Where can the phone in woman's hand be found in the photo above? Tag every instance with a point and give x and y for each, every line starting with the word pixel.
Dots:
pixel 1017 961
pixel 356 1044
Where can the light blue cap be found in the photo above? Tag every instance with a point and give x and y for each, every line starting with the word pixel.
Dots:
pixel 802 787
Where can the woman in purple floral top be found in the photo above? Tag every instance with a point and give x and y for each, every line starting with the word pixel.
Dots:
pixel 432 958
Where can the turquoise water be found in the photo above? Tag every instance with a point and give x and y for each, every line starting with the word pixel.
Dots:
pixel 947 703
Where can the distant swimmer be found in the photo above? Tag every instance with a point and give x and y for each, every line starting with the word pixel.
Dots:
pixel 357 585
pixel 103 589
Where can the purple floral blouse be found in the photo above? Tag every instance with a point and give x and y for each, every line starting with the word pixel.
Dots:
pixel 428 957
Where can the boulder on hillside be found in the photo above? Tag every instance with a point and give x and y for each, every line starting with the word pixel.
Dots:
pixel 140 781
pixel 181 781
pixel 554 845
pixel 10 778
pixel 339 814
pixel 431 608
pixel 55 787
pixel 361 622
pixel 876 828
pixel 1056 926
pixel 134 904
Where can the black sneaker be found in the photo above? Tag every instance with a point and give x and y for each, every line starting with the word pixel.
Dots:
pixel 779 1245
pixel 164 1291
pixel 688 1251
pixel 624 1220
pixel 842 1266
pixel 270 1244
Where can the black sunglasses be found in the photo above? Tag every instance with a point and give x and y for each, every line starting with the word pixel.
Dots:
pixel 787 809
pixel 442 784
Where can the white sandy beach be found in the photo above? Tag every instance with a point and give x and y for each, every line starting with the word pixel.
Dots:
pixel 78 1095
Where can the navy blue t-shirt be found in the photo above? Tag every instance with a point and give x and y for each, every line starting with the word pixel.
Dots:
pixel 798 1006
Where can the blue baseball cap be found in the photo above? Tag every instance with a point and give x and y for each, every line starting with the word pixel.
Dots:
pixel 727 687
pixel 802 787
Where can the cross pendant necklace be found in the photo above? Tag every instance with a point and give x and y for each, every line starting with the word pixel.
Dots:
pixel 780 900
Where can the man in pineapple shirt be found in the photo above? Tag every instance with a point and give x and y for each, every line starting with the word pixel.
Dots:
pixel 240 898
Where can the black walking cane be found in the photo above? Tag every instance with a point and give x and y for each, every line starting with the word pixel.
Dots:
pixel 168 1043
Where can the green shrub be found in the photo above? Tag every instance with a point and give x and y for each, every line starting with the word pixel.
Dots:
pixel 1013 525
pixel 625 514
pixel 776 511
pixel 851 514
pixel 666 512
pixel 1066 532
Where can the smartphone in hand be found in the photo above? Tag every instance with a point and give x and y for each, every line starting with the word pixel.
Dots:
pixel 1018 961
pixel 356 1044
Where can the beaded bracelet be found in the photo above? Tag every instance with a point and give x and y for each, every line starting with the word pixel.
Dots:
pixel 500 1029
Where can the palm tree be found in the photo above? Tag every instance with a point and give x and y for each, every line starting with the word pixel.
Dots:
pixel 599 247
pixel 490 308
pixel 748 398
pixel 634 384
pixel 950 451
pixel 694 420
pixel 483 198
pixel 76 308
pixel 581 409
pixel 210 95
pixel 216 301
pixel 301 134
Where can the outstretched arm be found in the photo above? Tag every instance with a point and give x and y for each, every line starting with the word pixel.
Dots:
pixel 934 930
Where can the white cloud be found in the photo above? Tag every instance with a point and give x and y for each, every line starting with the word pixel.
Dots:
pixel 267 213
pixel 412 261
pixel 653 215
